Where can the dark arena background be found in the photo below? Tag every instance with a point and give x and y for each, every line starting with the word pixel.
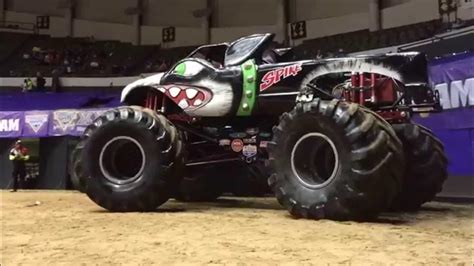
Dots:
pixel 227 183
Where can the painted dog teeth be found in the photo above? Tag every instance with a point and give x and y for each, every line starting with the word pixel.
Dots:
pixel 191 93
pixel 174 91
pixel 183 103
pixel 197 102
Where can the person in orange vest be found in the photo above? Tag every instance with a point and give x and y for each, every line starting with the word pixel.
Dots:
pixel 18 156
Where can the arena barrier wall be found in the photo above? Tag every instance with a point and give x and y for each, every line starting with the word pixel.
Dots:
pixel 17 101
pixel 56 131
pixel 39 124
pixel 53 163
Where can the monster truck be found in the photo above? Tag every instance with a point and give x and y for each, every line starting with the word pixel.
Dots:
pixel 336 133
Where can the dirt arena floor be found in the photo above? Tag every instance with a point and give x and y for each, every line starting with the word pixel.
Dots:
pixel 67 228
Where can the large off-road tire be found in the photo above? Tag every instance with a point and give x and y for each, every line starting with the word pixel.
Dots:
pixel 133 157
pixel 76 169
pixel 334 160
pixel 201 184
pixel 426 168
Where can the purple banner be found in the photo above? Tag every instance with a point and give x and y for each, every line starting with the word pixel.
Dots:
pixel 453 78
pixel 63 122
pixel 455 67
pixel 86 117
pixel 11 124
pixel 36 124
pixel 17 101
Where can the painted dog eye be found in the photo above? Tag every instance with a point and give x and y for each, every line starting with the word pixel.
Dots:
pixel 188 69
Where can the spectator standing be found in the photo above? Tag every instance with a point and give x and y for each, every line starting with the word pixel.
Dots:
pixel 18 156
pixel 27 85
pixel 55 86
pixel 319 54
pixel 40 82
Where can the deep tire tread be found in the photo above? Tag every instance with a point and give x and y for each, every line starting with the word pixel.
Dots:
pixel 160 191
pixel 76 173
pixel 377 163
pixel 426 170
